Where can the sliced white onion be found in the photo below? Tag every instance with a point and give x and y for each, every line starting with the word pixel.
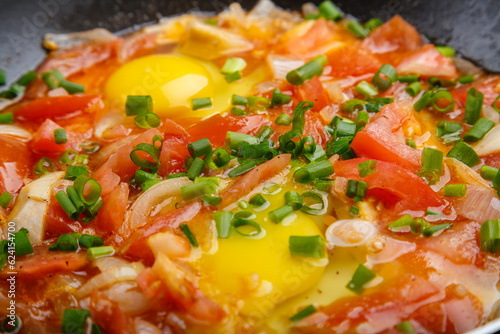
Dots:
pixel 145 327
pixel 112 275
pixel 388 249
pixel 108 121
pixel 16 131
pixel 66 41
pixel 490 143
pixel 153 196
pixel 444 179
pixel 420 140
pixel 57 92
pixel 128 297
pixel 490 113
pixel 465 173
pixel 104 263
pixel 262 9
pixel 281 65
pixel 479 204
pixel 266 86
pixel 349 232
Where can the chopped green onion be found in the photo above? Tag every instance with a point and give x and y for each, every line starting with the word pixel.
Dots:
pixel 489 234
pixel 265 133
pixel 248 224
pixel 466 79
pixel 72 87
pixel 214 179
pixel 238 100
pixel 344 128
pixel 429 231
pixel 353 105
pixel 90 147
pixel 60 136
pixel 361 191
pixel 94 192
pixel 432 160
pixel 411 143
pixel 14 91
pixel 479 130
pixel 400 223
pixel 430 212
pixel 308 145
pixel 307 71
pixel 258 200
pixel 329 11
pixel 147 121
pixel 455 190
pixel 150 150
pixel 149 183
pixel 367 167
pixel 496 104
pixel 473 106
pixel 323 185
pixel 447 127
pixel 91 210
pixel 203 102
pixel 87 241
pixel 373 24
pixel 352 188
pixel 196 190
pixel 438 98
pixel 242 204
pixel 488 172
pixel 66 204
pixel 290 142
pixel 199 148
pixel 340 147
pixel 414 88
pixel 316 155
pixel 446 51
pixel 138 105
pixel 238 111
pixel 366 89
pixel 189 235
pixel 312 171
pixel 408 78
pixel 278 98
pixel 102 251
pixel 9 325
pixel 22 244
pixel 74 171
pixel 405 327
pixel 385 77
pixel 353 211
pixel 361 276
pixel 312 203
pixel 7 118
pixel 235 76
pixel 312 16
pixel 44 166
pixel 67 243
pixel 5 199
pixel 304 313
pixel 74 321
pixel 424 101
pixel 283 119
pixel 355 28
pixel 196 168
pixel 258 103
pixel 176 175
pixel 243 168
pixel 53 79
pixel 3 79
pixel 143 176
pixel 212 200
pixel 435 82
pixel 277 216
pixel 218 158
pixel 75 199
pixel 307 246
pixel 223 223
pixel 234 64
pixel 234 140
pixel 464 153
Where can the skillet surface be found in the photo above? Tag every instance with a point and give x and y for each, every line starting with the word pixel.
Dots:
pixel 471 26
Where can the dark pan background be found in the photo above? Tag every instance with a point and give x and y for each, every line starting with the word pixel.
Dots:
pixel 470 26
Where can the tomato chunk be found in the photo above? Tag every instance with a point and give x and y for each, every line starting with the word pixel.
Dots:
pixel 44 142
pixel 428 62
pixel 111 215
pixel 352 61
pixel 15 164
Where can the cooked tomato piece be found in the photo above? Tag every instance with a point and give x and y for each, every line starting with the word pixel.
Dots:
pixel 174 149
pixel 57 221
pixel 44 142
pixel 112 214
pixel 392 184
pixel 16 163
pixel 216 127
pixel 352 60
pixel 312 90
pixel 59 107
pixel 428 62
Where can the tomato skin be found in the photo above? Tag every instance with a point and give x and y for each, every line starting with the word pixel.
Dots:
pixel 312 90
pixel 59 107
pixel 112 214
pixel 216 127
pixel 428 62
pixel 392 184
pixel 174 149
pixel 45 144
pixel 108 315
pixel 352 61
pixel 16 163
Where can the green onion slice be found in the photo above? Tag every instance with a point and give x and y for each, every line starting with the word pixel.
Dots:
pixel 203 102
pixel 218 158
pixel 283 119
pixel 189 235
pixel 241 226
pixel 329 11
pixel 367 167
pixel 277 215
pixel 199 148
pixel 313 203
pixel 307 71
pixel 102 251
pixel 304 313
pixel 5 199
pixel 361 276
pixel 7 118
pixel 307 246
pixel 60 136
pixel 479 130
pixel 234 64
pixel 94 191
pixel 87 241
pixel 464 153
pixel 312 171
pixel 366 89
pixel 455 190
pixel 473 106
pixel 147 121
pixel 442 101
pixel 147 149
pixel 489 234
pixel 385 77
pixel 44 166
pixel 138 105
pixel 22 243
pixel 223 223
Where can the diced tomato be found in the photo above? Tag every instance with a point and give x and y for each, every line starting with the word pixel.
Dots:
pixel 487 87
pixel 352 61
pixel 107 179
pixel 44 262
pixel 306 38
pixel 16 162
pixel 45 144
pixel 57 221
pixel 428 62
pixel 59 107
pixel 396 35
pixel 216 127
pixel 253 178
pixel 312 90
pixel 108 315
pixel 112 214
pixel 174 150
pixel 392 184
pixel 377 141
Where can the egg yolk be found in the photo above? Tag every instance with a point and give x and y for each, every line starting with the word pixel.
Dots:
pixel 173 81
pixel 260 273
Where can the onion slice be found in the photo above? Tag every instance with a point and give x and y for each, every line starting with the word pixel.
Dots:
pixel 349 233
pixel 13 130
pixel 490 143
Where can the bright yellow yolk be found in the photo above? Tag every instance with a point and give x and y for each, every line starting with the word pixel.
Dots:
pixel 258 274
pixel 173 81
